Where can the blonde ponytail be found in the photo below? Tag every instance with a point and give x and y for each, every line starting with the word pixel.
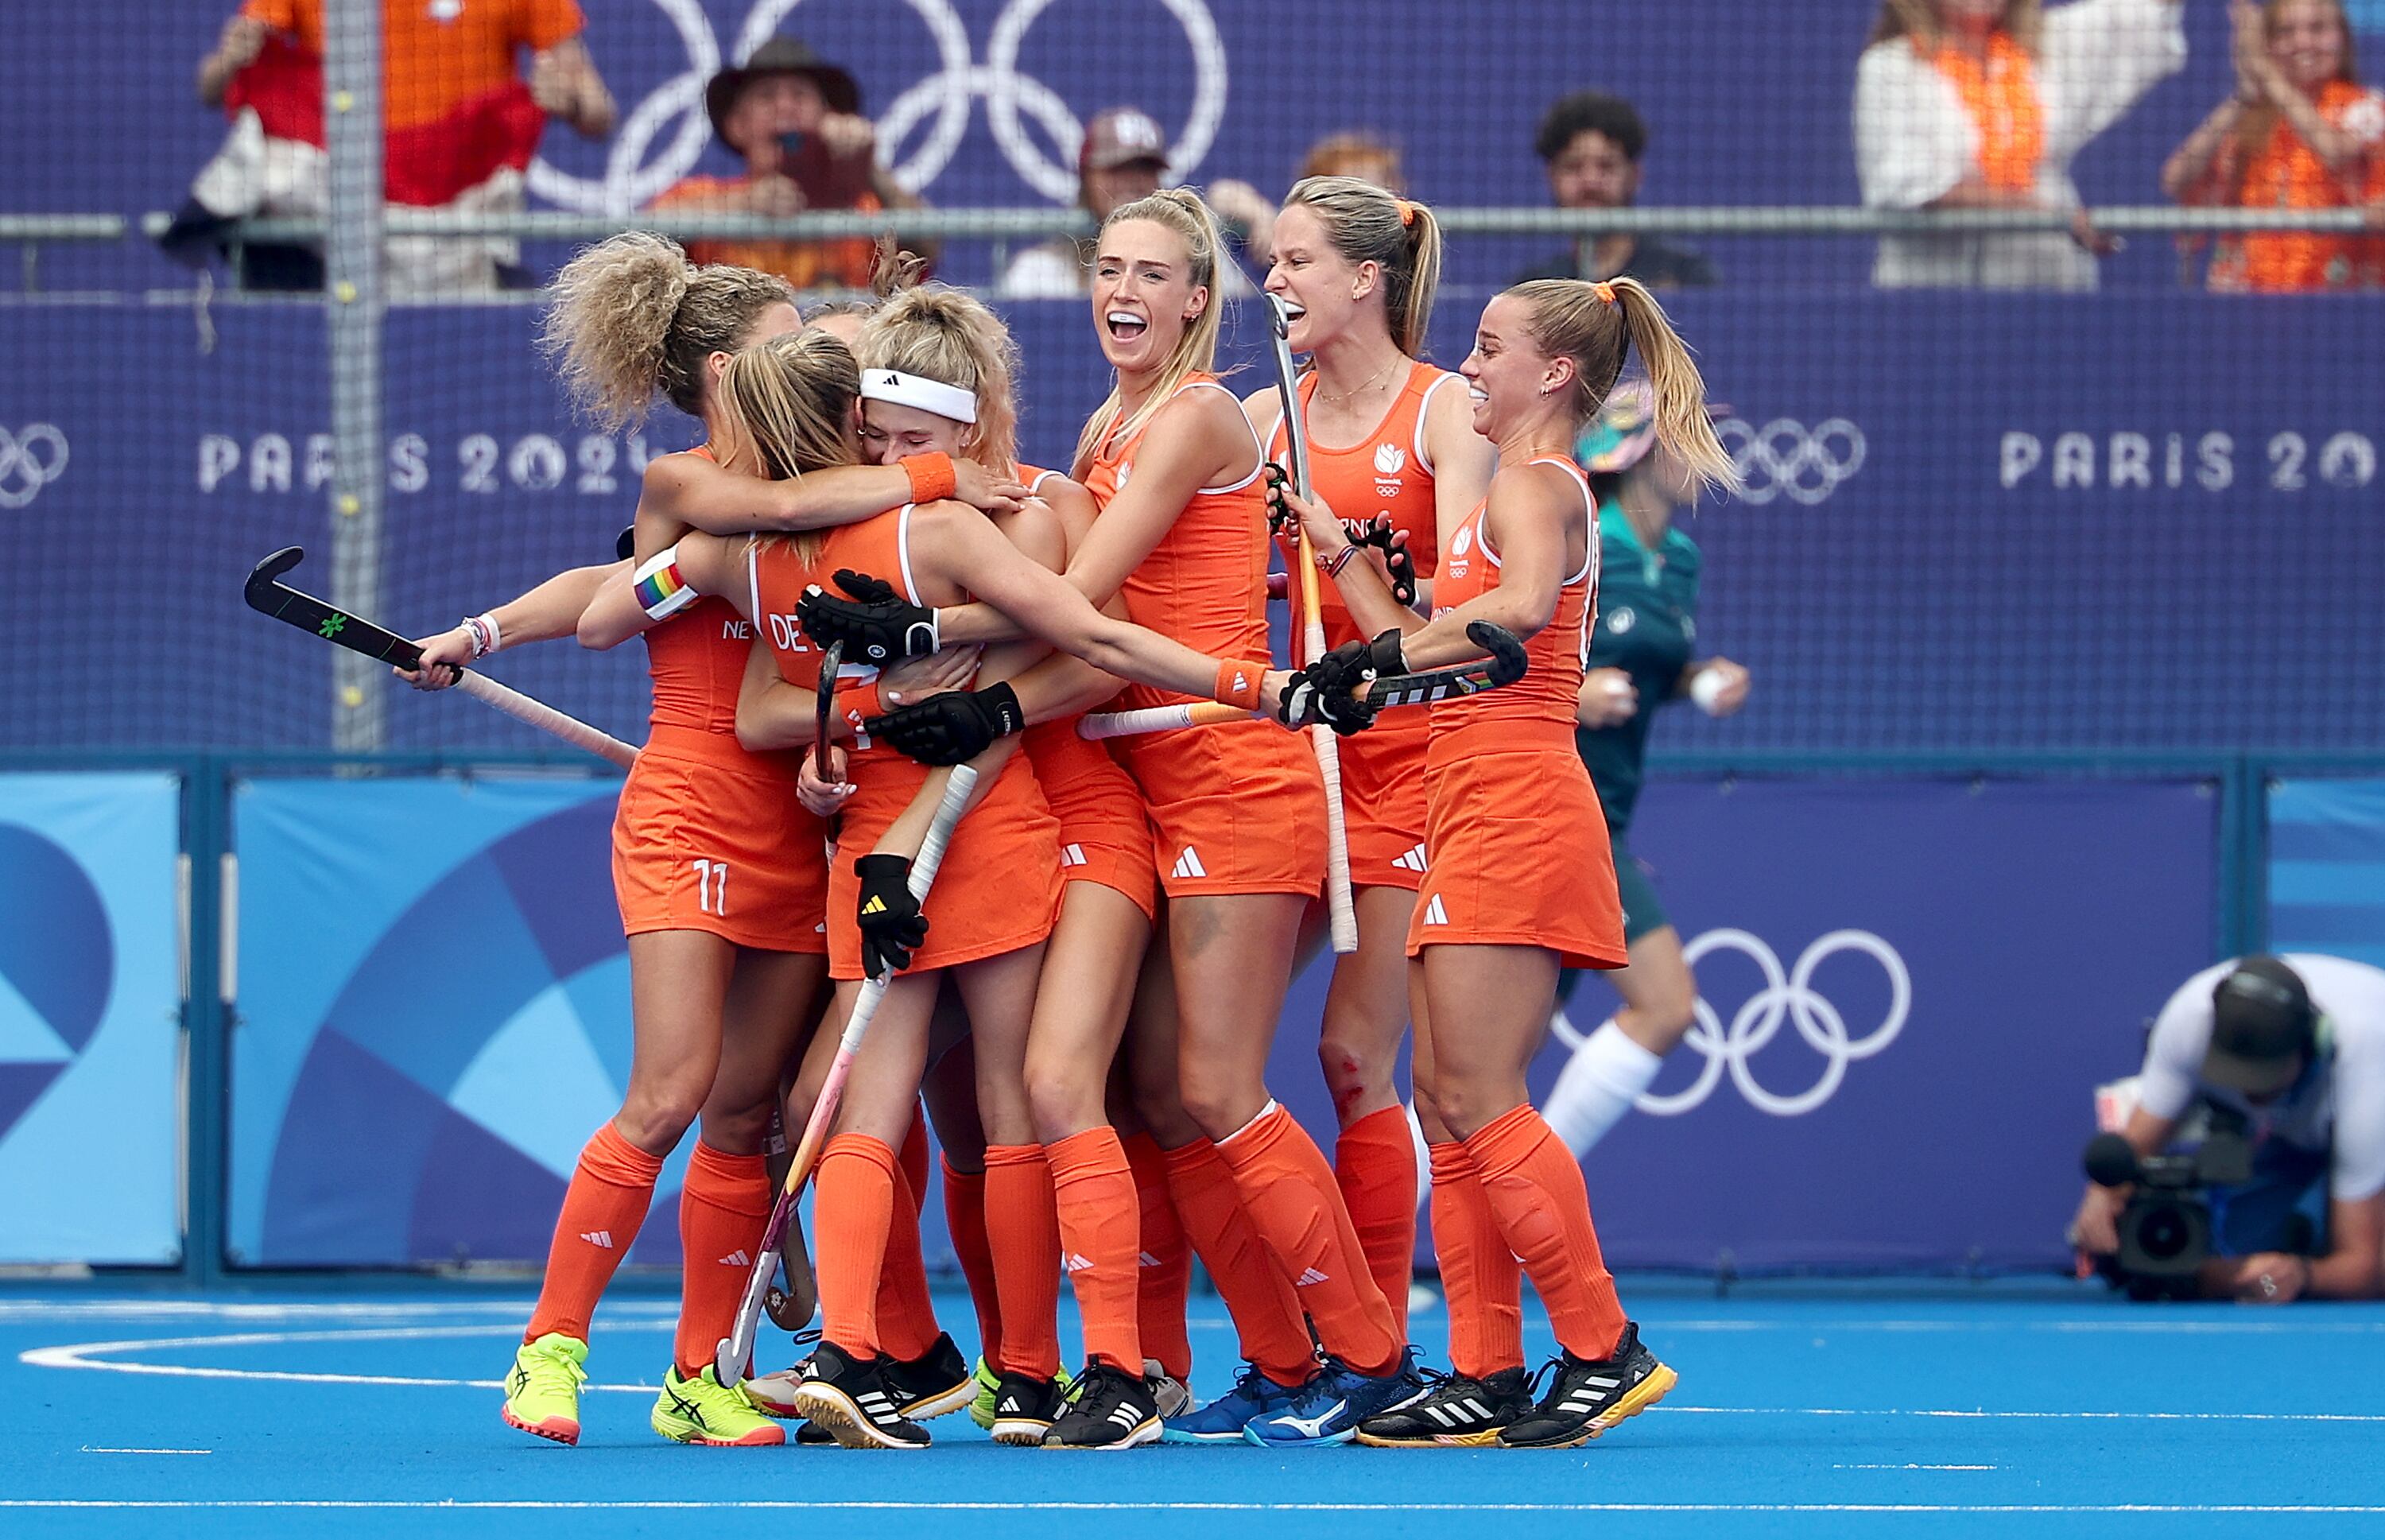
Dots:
pixel 629 319
pixel 1596 325
pixel 1367 223
pixel 790 401
pixel 1181 211
pixel 1683 428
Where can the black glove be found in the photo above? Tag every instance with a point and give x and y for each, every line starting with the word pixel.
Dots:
pixel 1281 524
pixel 876 624
pixel 1327 691
pixel 1385 654
pixel 1378 533
pixel 892 925
pixel 949 729
pixel 625 544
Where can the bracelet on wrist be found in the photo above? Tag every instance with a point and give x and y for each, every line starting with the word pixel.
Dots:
pixel 1340 559
pixel 486 636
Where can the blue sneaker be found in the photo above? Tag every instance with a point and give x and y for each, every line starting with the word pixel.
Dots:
pixel 1224 1419
pixel 1329 1409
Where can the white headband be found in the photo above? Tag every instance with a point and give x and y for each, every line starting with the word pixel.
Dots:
pixel 912 390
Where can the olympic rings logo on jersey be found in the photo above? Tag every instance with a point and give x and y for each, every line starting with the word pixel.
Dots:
pixel 1788 998
pixel 943 101
pixel 31 459
pixel 1785 457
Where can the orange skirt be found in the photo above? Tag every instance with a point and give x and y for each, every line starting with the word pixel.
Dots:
pixel 1518 858
pixel 710 840
pixel 1383 802
pixel 1234 808
pixel 998 889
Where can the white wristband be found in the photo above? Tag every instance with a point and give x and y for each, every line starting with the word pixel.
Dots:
pixel 486 636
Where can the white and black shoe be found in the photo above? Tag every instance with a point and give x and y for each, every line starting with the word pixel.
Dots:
pixel 1460 1412
pixel 1024 1408
pixel 1109 1408
pixel 847 1396
pixel 1589 1396
pixel 937 1382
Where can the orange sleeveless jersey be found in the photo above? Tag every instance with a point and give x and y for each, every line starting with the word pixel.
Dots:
pixel 707 836
pixel 999 886
pixel 1234 807
pixel 1103 837
pixel 1518 853
pixel 1383 768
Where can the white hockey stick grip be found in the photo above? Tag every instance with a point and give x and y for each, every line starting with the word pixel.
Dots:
pixel 545 718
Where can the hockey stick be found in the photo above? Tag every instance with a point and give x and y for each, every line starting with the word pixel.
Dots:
pixel 1505 665
pixel 735 1357
pixel 268 594
pixel 823 726
pixel 1341 911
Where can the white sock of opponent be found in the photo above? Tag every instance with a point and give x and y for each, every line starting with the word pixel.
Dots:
pixel 1599 1082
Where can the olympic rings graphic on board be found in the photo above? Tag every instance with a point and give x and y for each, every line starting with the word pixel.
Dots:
pixel 944 100
pixel 1786 997
pixel 1784 457
pixel 23 471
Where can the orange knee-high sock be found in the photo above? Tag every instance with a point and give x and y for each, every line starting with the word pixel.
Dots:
pixel 853 1207
pixel 1537 1195
pixel 1164 1273
pixel 723 1206
pixel 1092 1190
pixel 1267 1313
pixel 1374 1164
pixel 1479 1275
pixel 1025 1234
pixel 611 1189
pixel 965 1218
pixel 906 1316
pixel 1296 1210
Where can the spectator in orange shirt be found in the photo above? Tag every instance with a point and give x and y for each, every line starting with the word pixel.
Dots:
pixel 1355 154
pixel 795 120
pixel 439 54
pixel 2300 132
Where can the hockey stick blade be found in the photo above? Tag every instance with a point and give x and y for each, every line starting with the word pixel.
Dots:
pixel 268 594
pixel 1506 664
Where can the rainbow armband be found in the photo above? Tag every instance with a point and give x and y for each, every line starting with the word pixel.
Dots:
pixel 662 592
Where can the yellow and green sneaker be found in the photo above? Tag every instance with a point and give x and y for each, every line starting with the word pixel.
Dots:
pixel 702 1410
pixel 543 1391
pixel 989 1384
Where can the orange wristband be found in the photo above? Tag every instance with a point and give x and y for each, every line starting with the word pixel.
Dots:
pixel 932 478
pixel 1240 684
pixel 858 702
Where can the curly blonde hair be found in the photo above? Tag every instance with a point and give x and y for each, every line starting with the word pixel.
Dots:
pixel 631 319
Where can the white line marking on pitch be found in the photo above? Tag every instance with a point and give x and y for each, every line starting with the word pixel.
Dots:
pixel 799 1505
pixel 95 1449
pixel 1910 1466
pixel 87 1355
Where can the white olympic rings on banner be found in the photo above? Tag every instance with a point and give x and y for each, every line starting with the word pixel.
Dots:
pixel 630 181
pixel 23 473
pixel 1788 996
pixel 1784 456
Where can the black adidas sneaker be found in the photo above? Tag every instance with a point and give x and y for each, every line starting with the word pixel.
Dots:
pixel 937 1382
pixel 848 1397
pixel 1461 1412
pixel 1024 1408
pixel 1587 1398
pixel 1110 1409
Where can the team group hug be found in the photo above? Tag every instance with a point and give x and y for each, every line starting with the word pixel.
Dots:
pixel 896 850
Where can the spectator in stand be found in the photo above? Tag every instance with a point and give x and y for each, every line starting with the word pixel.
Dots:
pixel 1982 104
pixel 795 120
pixel 1125 158
pixel 2300 132
pixel 1590 144
pixel 1359 155
pixel 460 125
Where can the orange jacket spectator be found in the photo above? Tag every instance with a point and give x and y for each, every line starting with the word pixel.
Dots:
pixel 2300 132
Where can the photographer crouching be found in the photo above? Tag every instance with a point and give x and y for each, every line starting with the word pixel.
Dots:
pixel 2272 1070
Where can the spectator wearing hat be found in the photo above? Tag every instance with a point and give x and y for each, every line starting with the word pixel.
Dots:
pixel 1589 144
pixel 795 120
pixel 1124 157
